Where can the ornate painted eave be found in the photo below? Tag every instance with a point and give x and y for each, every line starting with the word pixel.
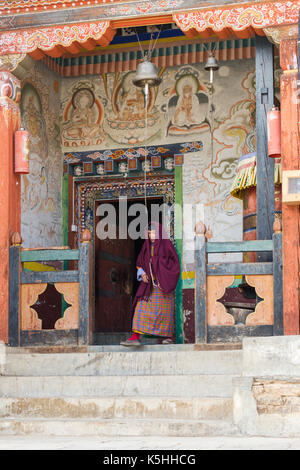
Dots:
pixel 243 20
pixel 55 41
pixel 37 13
pixel 69 29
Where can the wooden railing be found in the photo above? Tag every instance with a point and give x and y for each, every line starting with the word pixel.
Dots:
pixel 218 326
pixel 25 287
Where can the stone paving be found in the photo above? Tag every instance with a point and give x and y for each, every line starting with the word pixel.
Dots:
pixel 148 443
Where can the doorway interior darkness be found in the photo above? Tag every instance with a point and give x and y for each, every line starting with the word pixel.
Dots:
pixel 115 279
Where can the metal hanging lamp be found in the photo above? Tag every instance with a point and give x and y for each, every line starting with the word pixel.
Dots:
pixel 146 74
pixel 212 66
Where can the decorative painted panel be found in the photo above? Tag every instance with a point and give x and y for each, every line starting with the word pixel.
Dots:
pixel 216 312
pixel 257 15
pixel 264 311
pixel 29 295
pixel 70 320
pixel 205 17
pixel 41 188
pixel 46 39
pixel 89 192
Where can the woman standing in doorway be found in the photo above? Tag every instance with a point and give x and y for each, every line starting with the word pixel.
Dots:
pixel 158 270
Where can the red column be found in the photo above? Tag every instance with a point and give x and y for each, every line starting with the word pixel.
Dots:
pixel 290 152
pixel 10 187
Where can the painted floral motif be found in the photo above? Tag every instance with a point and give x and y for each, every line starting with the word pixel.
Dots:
pixel 260 15
pixel 257 15
pixel 18 6
pixel 131 153
pixel 21 41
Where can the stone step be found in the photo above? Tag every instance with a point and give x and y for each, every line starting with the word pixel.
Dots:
pixel 123 363
pixel 121 408
pixel 115 386
pixel 115 427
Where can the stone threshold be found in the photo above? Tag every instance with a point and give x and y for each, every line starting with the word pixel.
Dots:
pixel 117 348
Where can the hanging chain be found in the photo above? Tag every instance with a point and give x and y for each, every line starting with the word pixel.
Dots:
pixel 212 119
pixel 146 137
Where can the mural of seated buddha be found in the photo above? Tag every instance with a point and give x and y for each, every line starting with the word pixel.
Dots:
pixel 187 107
pixel 126 123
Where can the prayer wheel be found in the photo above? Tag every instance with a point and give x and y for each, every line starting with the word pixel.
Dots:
pixel 249 220
pixel 21 151
pixel 244 188
pixel 274 133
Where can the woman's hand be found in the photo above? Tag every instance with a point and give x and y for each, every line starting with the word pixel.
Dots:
pixel 145 278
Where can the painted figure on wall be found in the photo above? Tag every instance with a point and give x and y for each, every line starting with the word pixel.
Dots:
pixel 187 106
pixel 35 182
pixel 126 123
pixel 38 205
pixel 82 119
pixel 132 105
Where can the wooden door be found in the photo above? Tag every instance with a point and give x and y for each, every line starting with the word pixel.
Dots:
pixel 114 259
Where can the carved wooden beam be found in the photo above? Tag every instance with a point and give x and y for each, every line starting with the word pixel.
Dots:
pixel 243 20
pixel 54 40
pixel 40 13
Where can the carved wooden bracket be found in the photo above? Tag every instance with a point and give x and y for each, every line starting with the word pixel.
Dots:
pixel 10 62
pixel 276 34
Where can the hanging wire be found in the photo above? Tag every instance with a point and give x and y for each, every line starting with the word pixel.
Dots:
pixel 149 47
pixel 141 49
pixel 210 49
pixel 158 34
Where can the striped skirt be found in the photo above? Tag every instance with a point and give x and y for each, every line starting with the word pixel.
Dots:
pixel 156 315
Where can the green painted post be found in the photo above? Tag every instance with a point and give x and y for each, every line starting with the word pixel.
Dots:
pixel 179 249
pixel 65 209
pixel 14 295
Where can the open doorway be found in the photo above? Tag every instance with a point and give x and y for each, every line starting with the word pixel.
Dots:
pixel 115 278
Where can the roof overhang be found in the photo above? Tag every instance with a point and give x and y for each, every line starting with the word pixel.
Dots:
pixel 68 31
pixel 244 20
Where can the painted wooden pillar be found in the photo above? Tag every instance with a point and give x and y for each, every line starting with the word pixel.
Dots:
pixel 179 247
pixel 86 301
pixel 290 151
pixel 10 187
pixel 265 165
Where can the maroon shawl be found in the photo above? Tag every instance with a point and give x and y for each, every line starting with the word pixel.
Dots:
pixel 165 264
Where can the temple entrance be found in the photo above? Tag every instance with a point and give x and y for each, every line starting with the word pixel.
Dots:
pixel 115 276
